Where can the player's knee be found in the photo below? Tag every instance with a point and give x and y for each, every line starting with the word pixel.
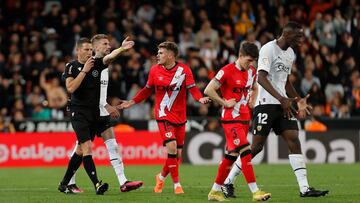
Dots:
pixel 295 146
pixel 79 151
pixel 246 157
pixel 255 149
pixel 86 147
pixel 171 147
pixel 235 154
pixel 179 154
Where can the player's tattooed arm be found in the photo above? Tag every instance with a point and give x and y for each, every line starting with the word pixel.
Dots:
pixel 211 91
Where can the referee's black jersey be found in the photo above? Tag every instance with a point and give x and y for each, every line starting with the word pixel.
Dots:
pixel 88 93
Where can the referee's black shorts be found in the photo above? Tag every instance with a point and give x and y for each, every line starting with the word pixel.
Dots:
pixel 84 123
pixel 271 116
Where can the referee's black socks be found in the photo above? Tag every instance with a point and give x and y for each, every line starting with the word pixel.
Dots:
pixel 74 164
pixel 90 168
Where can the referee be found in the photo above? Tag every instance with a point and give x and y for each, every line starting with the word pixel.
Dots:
pixel 83 82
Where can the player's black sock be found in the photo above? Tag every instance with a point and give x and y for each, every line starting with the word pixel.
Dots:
pixel 90 168
pixel 73 166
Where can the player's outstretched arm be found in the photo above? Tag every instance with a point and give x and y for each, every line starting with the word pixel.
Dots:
pixel 211 91
pixel 113 111
pixel 196 94
pixel 139 97
pixel 126 44
pixel 285 102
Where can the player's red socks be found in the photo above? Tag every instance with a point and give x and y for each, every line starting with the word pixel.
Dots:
pixel 224 169
pixel 246 166
pixel 165 171
pixel 173 166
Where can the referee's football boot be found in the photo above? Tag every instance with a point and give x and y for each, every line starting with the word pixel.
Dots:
pixel 228 190
pixel 101 188
pixel 312 192
pixel 64 189
pixel 75 189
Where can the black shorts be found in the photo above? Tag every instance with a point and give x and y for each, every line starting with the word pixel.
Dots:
pixel 270 116
pixel 102 125
pixel 83 121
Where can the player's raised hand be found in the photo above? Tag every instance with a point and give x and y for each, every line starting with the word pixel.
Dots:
pixel 114 113
pixel 88 65
pixel 304 108
pixel 230 103
pixel 127 43
pixel 126 104
pixel 286 104
pixel 205 100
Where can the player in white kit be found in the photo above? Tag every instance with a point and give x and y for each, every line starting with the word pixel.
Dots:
pixel 273 107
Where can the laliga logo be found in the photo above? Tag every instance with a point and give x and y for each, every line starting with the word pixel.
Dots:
pixel 4 153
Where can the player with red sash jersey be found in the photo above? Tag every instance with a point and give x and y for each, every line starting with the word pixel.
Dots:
pixel 235 82
pixel 170 79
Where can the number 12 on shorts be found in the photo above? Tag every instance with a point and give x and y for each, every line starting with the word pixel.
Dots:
pixel 262 117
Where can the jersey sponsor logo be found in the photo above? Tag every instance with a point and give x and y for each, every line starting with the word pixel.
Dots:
pixel 168 88
pixel 95 73
pixel 104 82
pixel 245 94
pixel 281 67
pixel 241 90
pixel 167 100
pixel 219 75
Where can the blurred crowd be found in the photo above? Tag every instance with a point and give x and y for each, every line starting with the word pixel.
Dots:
pixel 37 38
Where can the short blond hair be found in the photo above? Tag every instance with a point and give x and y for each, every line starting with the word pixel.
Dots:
pixel 98 37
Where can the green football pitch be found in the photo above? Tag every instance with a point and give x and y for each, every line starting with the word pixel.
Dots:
pixel 40 184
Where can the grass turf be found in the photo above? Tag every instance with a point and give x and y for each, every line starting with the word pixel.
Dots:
pixel 40 184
